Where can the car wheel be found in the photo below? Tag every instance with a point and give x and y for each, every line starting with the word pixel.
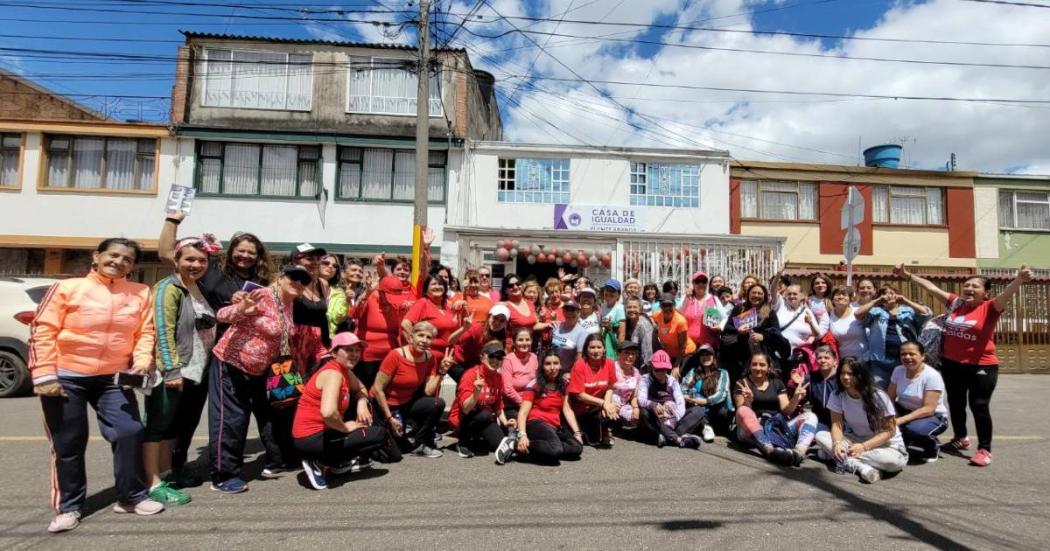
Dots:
pixel 14 377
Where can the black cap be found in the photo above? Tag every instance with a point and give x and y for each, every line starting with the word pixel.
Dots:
pixel 297 273
pixel 493 349
pixel 667 298
pixel 629 345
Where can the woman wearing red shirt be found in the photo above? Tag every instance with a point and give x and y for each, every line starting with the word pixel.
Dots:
pixel 477 414
pixel 544 438
pixel 969 364
pixel 590 392
pixel 379 324
pixel 406 391
pixel 522 312
pixel 466 346
pixel 435 308
pixel 518 371
pixel 324 439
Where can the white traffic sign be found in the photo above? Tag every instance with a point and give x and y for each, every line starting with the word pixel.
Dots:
pixel 851 244
pixel 853 210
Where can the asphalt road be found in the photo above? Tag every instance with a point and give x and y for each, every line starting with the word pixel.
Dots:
pixel 633 496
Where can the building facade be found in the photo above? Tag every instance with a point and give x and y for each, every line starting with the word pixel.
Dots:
pixel 656 214
pixel 1013 214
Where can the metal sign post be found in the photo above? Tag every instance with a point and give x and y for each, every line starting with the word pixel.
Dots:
pixel 852 214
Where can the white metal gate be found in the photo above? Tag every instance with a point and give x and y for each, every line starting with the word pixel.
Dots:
pixel 660 261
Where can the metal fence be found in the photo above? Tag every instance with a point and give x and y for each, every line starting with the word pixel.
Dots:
pixel 659 261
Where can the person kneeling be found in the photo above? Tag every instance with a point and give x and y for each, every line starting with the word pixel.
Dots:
pixel 663 406
pixel 545 438
pixel 477 414
pixel 864 438
pixel 326 442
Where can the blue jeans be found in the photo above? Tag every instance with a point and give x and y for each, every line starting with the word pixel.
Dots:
pixel 922 433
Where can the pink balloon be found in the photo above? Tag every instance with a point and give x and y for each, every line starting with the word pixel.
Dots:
pixel 507 244
pixel 502 254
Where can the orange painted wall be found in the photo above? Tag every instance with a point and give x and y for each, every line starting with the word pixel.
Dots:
pixel 734 206
pixel 832 196
pixel 961 236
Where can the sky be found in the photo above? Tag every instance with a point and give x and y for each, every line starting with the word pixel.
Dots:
pixel 732 75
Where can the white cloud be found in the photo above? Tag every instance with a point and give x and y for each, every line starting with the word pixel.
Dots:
pixel 984 136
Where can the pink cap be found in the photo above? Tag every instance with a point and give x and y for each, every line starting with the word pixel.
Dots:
pixel 346 339
pixel 698 274
pixel 661 360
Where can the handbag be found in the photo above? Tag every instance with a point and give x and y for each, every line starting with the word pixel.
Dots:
pixel 932 335
pixel 284 383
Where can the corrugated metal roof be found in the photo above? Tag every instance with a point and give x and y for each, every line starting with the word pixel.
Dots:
pixel 282 40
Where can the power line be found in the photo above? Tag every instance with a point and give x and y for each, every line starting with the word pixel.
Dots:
pixel 1005 3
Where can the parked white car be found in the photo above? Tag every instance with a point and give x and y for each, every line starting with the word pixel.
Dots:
pixel 19 297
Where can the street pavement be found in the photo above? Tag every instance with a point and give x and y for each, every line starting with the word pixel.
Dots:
pixel 633 496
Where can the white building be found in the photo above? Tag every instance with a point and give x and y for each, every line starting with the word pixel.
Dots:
pixel 657 214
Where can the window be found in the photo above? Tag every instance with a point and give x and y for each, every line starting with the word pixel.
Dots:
pixel 10 151
pixel 533 181
pixel 370 174
pixel 268 170
pixel 387 87
pixel 91 162
pixel 778 200
pixel 922 206
pixel 665 185
pixel 1024 210
pixel 247 79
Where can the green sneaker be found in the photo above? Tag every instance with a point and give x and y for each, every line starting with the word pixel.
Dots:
pixel 167 495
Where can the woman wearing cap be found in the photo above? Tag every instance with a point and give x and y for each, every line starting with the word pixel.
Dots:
pixel 185 326
pixel 673 332
pixel 612 316
pixel 447 318
pixel 625 389
pixel 568 337
pixel 707 386
pixel 261 329
pixel 518 370
pixel 406 391
pixel 590 392
pixel 543 437
pixel 379 322
pixel 702 313
pixel 311 308
pixel 864 438
pixel 752 327
pixel 477 415
pixel 663 406
pixel 764 414
pixel 86 330
pixel 466 346
pixel 891 320
pixel 522 311
pixel 637 328
pixel 324 439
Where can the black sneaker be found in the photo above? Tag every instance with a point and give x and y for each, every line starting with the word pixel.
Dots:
pixel 660 441
pixel 781 456
pixel 315 474
pixel 505 450
pixel 689 441
pixel 797 458
pixel 464 451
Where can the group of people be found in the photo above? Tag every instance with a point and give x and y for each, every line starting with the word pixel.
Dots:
pixel 341 367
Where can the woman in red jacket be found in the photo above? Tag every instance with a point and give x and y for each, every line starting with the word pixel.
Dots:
pixel 326 441
pixel 590 392
pixel 379 324
pixel 477 415
pixel 544 437
pixel 86 330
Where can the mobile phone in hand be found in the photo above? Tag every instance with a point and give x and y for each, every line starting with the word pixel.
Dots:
pixel 128 379
pixel 250 286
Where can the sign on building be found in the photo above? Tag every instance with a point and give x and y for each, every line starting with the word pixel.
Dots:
pixel 598 218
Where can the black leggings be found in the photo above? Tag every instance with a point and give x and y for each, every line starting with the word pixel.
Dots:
pixel 591 425
pixel 333 448
pixel 480 425
pixel 423 414
pixel 548 444
pixel 693 419
pixel 971 384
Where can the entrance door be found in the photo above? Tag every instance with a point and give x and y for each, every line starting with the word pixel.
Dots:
pixel 540 272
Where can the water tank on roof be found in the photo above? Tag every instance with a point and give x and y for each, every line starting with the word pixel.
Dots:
pixel 883 156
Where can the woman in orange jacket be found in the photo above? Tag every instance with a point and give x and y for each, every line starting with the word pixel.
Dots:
pixel 87 330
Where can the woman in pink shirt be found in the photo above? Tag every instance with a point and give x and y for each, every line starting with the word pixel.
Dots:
pixel 697 304
pixel 519 371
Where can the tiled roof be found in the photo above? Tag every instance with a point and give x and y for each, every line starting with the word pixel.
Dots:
pixel 279 40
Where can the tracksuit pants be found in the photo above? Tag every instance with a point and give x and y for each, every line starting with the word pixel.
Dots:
pixel 922 433
pixel 973 385
pixel 693 419
pixel 481 425
pixel 66 421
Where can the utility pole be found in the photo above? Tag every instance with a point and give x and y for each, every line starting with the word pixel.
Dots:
pixel 419 219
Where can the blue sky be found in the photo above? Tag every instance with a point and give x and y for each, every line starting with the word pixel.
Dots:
pixel 658 110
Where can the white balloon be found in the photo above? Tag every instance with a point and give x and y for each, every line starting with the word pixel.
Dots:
pixel 514 252
pixel 515 243
pixel 559 261
pixel 574 264
pixel 530 259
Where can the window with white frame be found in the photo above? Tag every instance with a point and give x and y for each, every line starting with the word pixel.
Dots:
pixel 267 170
pixel 373 174
pixel 250 79
pixel 1024 210
pixel 665 185
pixel 10 151
pixel 923 206
pixel 386 86
pixel 99 162
pixel 533 181
pixel 770 200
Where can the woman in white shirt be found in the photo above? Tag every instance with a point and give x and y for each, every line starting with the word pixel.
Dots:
pixel 850 333
pixel 918 391
pixel 864 438
pixel 797 323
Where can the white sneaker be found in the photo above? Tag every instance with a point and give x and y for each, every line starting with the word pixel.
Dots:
pixel 64 522
pixel 708 434
pixel 144 508
pixel 870 475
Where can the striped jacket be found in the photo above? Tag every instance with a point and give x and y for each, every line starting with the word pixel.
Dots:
pixel 91 325
pixel 176 325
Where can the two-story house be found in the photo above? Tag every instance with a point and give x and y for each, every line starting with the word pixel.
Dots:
pixel 655 214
